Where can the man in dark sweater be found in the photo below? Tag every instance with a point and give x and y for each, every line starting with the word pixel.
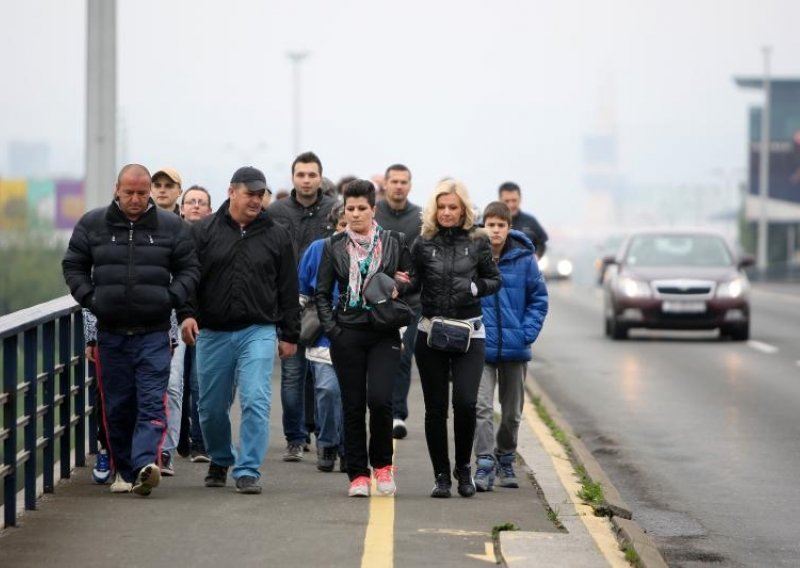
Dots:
pixel 511 195
pixel 305 215
pixel 396 213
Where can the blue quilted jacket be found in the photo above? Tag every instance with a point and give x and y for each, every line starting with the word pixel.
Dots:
pixel 514 315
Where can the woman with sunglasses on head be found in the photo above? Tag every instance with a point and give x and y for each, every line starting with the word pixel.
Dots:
pixel 453 266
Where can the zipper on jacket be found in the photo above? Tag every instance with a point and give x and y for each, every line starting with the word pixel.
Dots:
pixel 130 260
pixel 498 315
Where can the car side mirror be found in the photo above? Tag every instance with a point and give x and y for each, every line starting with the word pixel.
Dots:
pixel 746 260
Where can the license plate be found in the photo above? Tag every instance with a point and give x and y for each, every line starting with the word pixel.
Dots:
pixel 683 307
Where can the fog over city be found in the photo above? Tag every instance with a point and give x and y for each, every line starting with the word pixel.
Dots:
pixel 485 92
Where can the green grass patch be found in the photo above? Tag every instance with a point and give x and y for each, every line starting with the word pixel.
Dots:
pixel 497 529
pixel 559 435
pixel 632 556
pixel 590 492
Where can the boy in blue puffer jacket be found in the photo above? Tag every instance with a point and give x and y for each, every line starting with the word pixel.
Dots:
pixel 513 318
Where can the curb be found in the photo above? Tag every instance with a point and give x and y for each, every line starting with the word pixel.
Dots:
pixel 628 532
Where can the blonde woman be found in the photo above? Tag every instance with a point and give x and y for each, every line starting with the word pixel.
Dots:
pixel 453 267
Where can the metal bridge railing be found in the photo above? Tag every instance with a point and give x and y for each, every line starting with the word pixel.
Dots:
pixel 44 401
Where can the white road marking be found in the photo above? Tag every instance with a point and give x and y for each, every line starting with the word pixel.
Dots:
pixel 763 347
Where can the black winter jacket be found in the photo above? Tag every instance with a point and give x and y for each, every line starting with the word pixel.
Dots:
pixel 131 274
pixel 305 224
pixel 247 276
pixel 446 265
pixel 335 267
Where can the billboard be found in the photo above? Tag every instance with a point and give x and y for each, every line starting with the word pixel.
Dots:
pixel 13 205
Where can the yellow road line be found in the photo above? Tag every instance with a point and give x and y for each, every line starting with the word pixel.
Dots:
pixel 379 537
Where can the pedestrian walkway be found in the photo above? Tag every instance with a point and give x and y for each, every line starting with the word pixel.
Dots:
pixel 304 517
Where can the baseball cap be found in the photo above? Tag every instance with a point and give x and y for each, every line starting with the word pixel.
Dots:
pixel 171 173
pixel 252 178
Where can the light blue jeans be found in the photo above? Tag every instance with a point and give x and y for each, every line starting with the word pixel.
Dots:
pixel 328 397
pixel 227 361
pixel 175 398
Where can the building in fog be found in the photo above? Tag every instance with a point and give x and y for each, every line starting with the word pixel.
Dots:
pixel 783 197
pixel 28 159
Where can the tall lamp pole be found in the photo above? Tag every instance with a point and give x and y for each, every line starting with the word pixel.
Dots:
pixel 296 58
pixel 763 170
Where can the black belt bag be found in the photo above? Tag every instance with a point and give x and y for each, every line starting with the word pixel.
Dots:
pixel 449 335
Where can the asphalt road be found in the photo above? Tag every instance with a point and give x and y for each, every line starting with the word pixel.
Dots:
pixel 700 436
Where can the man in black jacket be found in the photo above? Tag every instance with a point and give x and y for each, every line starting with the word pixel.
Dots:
pixel 305 215
pixel 510 194
pixel 247 298
pixel 396 213
pixel 131 263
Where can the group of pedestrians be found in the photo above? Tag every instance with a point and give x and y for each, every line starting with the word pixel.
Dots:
pixel 389 282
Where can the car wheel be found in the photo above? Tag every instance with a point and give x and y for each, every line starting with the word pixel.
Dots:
pixel 737 332
pixel 617 330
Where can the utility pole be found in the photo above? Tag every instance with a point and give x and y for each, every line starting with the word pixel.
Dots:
pixel 296 58
pixel 101 102
pixel 763 171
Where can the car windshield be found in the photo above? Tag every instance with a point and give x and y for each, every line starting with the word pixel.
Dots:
pixel 678 250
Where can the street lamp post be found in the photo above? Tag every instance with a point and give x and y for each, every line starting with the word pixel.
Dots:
pixel 763 171
pixel 296 57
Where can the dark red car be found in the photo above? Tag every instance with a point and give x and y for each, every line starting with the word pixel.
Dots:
pixel 676 279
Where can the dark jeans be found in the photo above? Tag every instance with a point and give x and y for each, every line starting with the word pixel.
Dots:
pixel 402 380
pixel 436 369
pixel 134 372
pixel 366 362
pixel 195 432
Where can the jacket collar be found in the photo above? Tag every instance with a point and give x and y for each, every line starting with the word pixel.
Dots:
pixel 148 219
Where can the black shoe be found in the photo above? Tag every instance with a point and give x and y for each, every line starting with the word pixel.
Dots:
pixel 326 458
pixel 466 486
pixel 248 485
pixel 217 475
pixel 184 444
pixel 399 430
pixel 342 464
pixel 441 488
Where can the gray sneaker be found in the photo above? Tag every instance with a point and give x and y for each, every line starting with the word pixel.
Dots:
pixel 505 471
pixel 248 485
pixel 484 474
pixel 293 453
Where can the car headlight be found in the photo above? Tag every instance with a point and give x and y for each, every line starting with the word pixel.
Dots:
pixel 733 288
pixel 564 268
pixel 634 288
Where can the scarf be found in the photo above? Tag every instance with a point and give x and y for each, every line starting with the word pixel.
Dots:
pixel 365 253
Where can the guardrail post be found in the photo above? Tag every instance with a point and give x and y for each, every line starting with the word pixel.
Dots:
pixel 65 408
pixel 49 450
pixel 10 369
pixel 30 355
pixel 79 378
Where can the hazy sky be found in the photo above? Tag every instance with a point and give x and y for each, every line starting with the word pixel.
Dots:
pixel 482 91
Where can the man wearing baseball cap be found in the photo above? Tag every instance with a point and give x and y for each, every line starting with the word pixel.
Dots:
pixel 247 301
pixel 166 189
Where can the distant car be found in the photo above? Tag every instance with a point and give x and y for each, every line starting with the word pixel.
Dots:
pixel 676 280
pixel 554 266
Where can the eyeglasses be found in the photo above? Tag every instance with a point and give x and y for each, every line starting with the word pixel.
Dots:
pixel 196 203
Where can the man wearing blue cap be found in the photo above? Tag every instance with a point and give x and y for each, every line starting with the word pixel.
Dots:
pixel 246 303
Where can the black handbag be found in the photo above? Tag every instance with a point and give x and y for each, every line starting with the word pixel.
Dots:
pixel 449 335
pixel 386 313
pixel 390 314
pixel 310 326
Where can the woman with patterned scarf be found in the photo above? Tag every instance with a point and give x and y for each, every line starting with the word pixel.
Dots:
pixel 365 358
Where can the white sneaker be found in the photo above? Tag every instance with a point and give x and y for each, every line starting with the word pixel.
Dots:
pixel 399 430
pixel 149 477
pixel 120 485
